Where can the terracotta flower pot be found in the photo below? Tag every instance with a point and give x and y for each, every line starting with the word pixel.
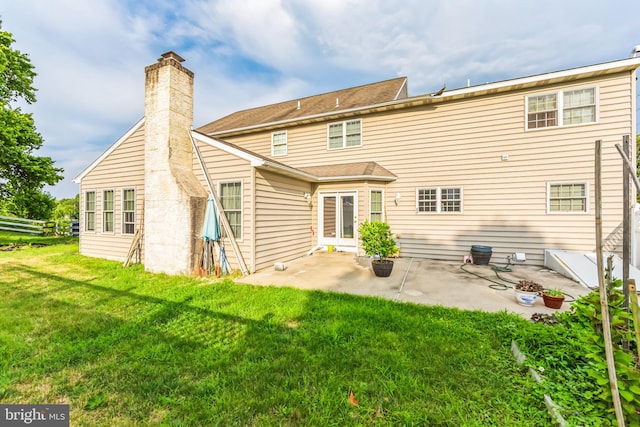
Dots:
pixel 552 302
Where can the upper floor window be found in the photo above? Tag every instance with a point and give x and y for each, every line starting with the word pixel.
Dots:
pixel 231 200
pixel 439 200
pixel 345 134
pixel 561 108
pixel 567 197
pixel 579 106
pixel 107 211
pixel 90 211
pixel 279 143
pixel 128 211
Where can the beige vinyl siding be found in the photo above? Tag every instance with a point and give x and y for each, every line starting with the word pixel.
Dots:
pixel 504 202
pixel 122 169
pixel 225 167
pixel 283 218
pixel 461 144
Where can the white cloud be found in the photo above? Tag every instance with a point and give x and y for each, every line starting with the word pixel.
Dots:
pixel 90 56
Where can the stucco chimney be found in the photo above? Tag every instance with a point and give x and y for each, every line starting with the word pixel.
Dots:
pixel 175 200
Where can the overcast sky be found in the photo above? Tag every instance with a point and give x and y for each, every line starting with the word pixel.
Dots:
pixel 90 54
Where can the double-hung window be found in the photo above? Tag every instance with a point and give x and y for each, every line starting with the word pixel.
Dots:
pixel 375 207
pixel 90 211
pixel 542 111
pixel 439 200
pixel 567 197
pixel 231 200
pixel 279 143
pixel 107 211
pixel 128 211
pixel 562 108
pixel 345 134
pixel 579 106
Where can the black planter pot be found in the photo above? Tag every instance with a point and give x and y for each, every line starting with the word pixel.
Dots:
pixel 382 268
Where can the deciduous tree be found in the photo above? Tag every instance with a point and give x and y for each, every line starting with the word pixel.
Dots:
pixel 23 174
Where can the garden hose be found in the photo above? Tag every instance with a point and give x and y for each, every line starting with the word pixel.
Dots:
pixel 499 286
pixel 506 283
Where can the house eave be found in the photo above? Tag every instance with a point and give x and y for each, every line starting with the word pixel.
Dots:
pixel 533 81
pixel 307 177
pixel 331 115
pixel 356 178
pixel 254 160
pixel 556 77
pixel 284 170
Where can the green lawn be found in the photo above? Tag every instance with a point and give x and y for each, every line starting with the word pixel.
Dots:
pixel 125 347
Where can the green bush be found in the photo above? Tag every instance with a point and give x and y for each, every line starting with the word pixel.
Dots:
pixel 571 357
pixel 376 239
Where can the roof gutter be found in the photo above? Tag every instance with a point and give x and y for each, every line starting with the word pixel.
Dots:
pixel 356 178
pixel 415 101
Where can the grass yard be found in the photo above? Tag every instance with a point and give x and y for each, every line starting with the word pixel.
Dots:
pixel 124 347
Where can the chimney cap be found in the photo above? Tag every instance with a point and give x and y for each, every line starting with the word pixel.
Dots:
pixel 170 55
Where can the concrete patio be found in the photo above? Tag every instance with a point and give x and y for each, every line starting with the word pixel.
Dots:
pixel 419 281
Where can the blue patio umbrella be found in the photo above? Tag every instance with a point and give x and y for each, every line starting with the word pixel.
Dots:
pixel 210 233
pixel 211 227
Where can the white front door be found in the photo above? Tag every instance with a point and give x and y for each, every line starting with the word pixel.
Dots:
pixel 338 218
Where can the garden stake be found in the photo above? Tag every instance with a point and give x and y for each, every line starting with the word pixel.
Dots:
pixel 634 312
pixel 604 304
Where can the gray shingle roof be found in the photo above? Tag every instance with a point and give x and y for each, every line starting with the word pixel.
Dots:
pixel 360 96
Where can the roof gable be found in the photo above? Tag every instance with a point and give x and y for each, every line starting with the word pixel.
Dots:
pixel 360 96
pixel 109 150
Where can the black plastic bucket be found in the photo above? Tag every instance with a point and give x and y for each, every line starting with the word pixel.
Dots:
pixel 481 254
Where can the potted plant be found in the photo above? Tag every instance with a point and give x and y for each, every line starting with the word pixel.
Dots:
pixel 527 292
pixel 553 298
pixel 377 242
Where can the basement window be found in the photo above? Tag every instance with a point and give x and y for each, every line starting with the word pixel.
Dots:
pixel 344 134
pixel 128 211
pixel 231 200
pixel 439 200
pixel 567 198
pixel 107 211
pixel 90 211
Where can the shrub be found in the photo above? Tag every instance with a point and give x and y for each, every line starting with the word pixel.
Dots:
pixel 376 239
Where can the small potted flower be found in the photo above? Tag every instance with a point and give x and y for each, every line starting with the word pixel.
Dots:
pixel 553 298
pixel 527 292
pixel 377 242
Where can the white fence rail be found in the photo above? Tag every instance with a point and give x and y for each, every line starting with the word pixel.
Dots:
pixel 24 225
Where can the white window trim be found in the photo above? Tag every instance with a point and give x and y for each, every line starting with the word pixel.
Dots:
pixel 286 144
pixel 382 213
pixel 344 134
pixel 439 210
pixel 123 211
pixel 560 107
pixel 233 181
pixel 587 201
pixel 103 211
pixel 84 210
